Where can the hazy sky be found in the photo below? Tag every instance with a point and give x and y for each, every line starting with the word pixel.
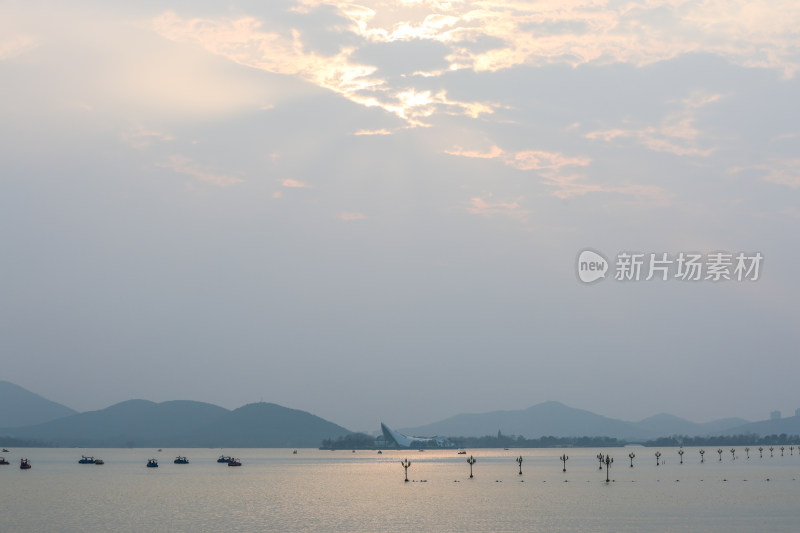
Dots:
pixel 373 211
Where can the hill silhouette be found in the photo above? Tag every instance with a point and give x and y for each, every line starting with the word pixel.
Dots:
pixel 789 425
pixel 132 423
pixel 265 425
pixel 23 407
pixel 182 423
pixel 558 420
pixel 544 419
pixel 664 424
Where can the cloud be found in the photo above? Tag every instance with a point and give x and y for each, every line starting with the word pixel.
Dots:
pixel 139 137
pixel 676 134
pixel 487 207
pixel 556 171
pixel 183 165
pixel 782 172
pixel 524 160
pixel 243 41
pixel 295 184
pixel 753 34
pixel 373 132
pixel 492 35
pixel 12 46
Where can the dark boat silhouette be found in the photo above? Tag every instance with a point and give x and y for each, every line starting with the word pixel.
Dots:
pixel 86 460
pixel 234 462
pixel 224 459
pixel 24 464
pixel 181 460
pixel 152 463
pixel 3 461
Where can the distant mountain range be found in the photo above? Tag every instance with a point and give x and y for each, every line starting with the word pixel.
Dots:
pixel 26 416
pixel 19 407
pixel 141 423
pixel 558 420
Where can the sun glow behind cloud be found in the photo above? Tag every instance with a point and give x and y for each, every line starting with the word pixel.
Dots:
pixel 243 41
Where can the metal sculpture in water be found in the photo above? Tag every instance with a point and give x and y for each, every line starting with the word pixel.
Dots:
pixel 608 461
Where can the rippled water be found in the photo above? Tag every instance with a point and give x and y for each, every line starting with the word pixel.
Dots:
pixel 314 490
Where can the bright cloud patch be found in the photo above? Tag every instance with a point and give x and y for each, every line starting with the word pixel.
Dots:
pixel 295 184
pixel 14 45
pixel 676 134
pixel 557 172
pixel 352 216
pixel 588 31
pixel 183 165
pixel 489 207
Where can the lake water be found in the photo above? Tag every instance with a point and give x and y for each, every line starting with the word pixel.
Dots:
pixel 315 490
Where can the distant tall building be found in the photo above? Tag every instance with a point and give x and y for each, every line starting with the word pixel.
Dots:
pixel 775 415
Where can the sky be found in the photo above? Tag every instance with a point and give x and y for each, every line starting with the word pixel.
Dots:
pixel 373 211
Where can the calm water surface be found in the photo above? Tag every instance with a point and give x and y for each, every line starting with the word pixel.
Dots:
pixel 315 490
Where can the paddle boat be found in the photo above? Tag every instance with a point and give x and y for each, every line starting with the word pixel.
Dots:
pixel 224 459
pixel 24 464
pixel 99 462
pixel 152 463
pixel 234 462
pixel 3 461
pixel 181 460
pixel 86 460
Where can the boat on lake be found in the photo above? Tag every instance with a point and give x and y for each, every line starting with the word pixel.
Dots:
pixel 181 460
pixel 99 462
pixel 152 463
pixel 3 461
pixel 86 460
pixel 24 464
pixel 224 459
pixel 234 462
